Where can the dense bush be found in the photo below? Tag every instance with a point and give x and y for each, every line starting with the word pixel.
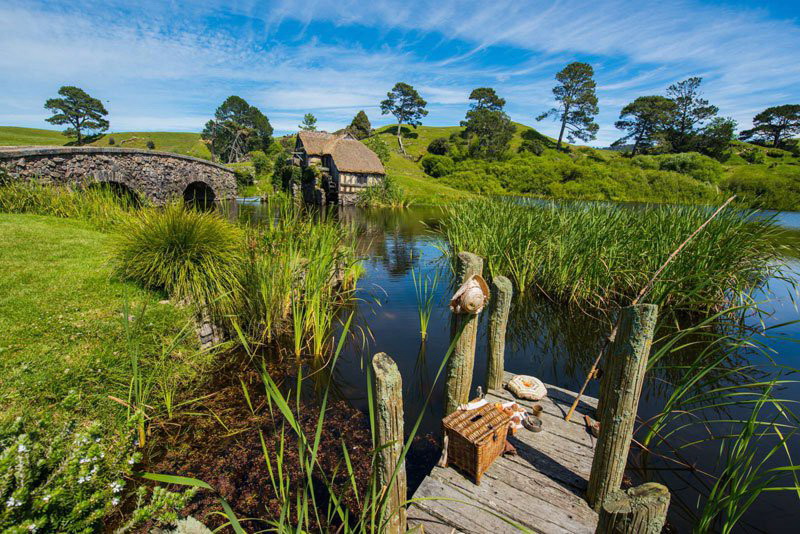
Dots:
pixel 753 155
pixel 151 144
pixel 70 479
pixel 377 145
pixel 111 141
pixel 474 182
pixel 775 153
pixel 244 175
pixel 761 187
pixel 439 146
pixel 696 165
pixel 386 194
pixel 261 163
pixel 437 166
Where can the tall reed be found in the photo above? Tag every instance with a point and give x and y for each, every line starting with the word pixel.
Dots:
pixel 425 289
pixel 600 254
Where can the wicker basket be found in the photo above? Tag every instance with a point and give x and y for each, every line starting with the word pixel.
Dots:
pixel 475 438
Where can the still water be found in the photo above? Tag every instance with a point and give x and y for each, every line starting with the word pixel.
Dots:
pixel 548 341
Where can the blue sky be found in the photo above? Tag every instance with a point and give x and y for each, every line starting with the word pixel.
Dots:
pixel 166 65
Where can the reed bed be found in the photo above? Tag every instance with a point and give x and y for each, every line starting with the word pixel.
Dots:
pixel 599 255
pixel 425 289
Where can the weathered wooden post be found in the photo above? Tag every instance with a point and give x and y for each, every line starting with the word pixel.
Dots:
pixel 625 366
pixel 640 510
pixel 388 387
pixel 462 361
pixel 498 321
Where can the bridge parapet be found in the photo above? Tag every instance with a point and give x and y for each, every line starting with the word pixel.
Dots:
pixel 155 175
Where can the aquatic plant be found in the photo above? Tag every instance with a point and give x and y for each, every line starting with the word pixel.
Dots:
pixel 425 289
pixel 595 254
pixel 386 194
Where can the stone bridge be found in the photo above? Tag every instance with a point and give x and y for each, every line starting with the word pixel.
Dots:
pixel 152 175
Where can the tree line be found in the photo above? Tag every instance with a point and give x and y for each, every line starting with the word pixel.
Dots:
pixel 681 120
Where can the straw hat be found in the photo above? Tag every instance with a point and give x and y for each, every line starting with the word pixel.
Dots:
pixel 527 387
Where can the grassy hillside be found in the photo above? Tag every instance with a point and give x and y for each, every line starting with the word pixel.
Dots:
pixel 185 143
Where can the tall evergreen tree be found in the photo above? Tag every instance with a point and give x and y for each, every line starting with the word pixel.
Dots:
pixel 404 102
pixel 488 124
pixel 309 123
pixel 691 111
pixel 774 124
pixel 78 110
pixel 577 100
pixel 360 127
pixel 237 129
pixel 643 119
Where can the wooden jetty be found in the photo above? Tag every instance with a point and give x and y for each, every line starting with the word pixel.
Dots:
pixel 562 479
pixel 542 488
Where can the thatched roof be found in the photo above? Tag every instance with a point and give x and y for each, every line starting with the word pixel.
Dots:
pixel 348 154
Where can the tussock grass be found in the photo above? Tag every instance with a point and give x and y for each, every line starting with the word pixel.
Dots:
pixel 597 254
pixel 190 254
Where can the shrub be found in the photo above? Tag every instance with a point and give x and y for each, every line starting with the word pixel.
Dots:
pixel 244 175
pixel 695 165
pixel 261 163
pixel 439 146
pixel 753 155
pixel 111 141
pixel 534 146
pixel 386 194
pixel 377 145
pixel 69 479
pixel 151 144
pixel 645 162
pixel 190 254
pixel 437 166
pixel 775 153
pixel 472 181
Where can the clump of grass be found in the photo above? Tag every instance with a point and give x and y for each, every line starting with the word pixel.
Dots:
pixel 192 255
pixel 600 255
pixel 100 206
pixel 425 289
pixel 387 194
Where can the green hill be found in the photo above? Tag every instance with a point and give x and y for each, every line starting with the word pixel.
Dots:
pixel 185 143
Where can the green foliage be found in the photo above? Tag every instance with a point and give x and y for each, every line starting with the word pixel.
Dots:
pixel 360 127
pixel 488 125
pixel 439 146
pixel 78 110
pixel 474 182
pixel 261 163
pixel 60 481
pixel 407 106
pixel 577 100
pixel 762 187
pixel 244 175
pixel 377 145
pixel 584 253
pixel 236 130
pixel 696 165
pixel 309 123
pixel 753 155
pixel 386 194
pixel 151 144
pixel 715 138
pixel 774 125
pixel 98 205
pixel 691 111
pixel 644 119
pixel 437 166
pixel 190 254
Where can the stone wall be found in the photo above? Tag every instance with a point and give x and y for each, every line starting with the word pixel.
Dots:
pixel 157 176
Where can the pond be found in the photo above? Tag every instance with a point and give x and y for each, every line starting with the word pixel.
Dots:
pixel 545 340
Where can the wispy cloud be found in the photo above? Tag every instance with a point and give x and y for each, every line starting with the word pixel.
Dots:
pixel 168 65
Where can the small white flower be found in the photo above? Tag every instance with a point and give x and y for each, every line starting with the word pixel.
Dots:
pixel 46 498
pixel 84 460
pixel 32 527
pixel 13 503
pixel 81 480
pixel 115 501
pixel 132 460
pixel 97 440
pixel 22 448
pixel 116 487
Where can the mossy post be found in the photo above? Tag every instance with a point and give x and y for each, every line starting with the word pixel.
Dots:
pixel 640 510
pixel 498 321
pixel 388 388
pixel 625 366
pixel 462 361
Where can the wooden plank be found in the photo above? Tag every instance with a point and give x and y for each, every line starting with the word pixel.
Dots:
pixel 542 487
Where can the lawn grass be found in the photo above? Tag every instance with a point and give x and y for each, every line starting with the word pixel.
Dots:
pixel 62 343
pixel 186 143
